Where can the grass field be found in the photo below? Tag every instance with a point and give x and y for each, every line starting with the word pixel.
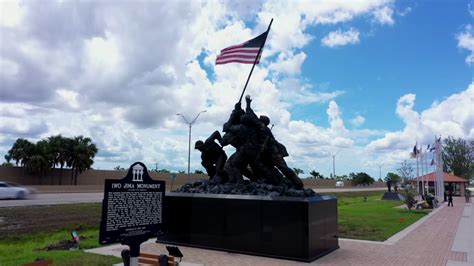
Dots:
pixel 25 232
pixel 373 219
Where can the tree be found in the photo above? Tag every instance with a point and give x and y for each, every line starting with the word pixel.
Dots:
pixel 40 160
pixel 458 157
pixel 394 178
pixel 361 179
pixel 164 171
pixel 198 172
pixel 181 172
pixel 58 152
pixel 20 151
pixel 406 172
pixel 83 153
pixel 298 171
pixel 316 175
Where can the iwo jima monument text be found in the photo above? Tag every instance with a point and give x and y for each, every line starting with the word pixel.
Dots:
pixel 269 213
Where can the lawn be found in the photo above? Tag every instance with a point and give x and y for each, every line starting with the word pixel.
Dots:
pixel 373 219
pixel 25 232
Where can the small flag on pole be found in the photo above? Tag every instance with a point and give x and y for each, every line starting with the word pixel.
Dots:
pixel 415 151
pixel 244 53
pixel 433 161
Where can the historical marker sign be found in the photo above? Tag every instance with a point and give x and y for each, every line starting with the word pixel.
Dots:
pixel 132 207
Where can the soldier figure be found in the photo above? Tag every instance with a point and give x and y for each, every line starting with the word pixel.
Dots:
pixel 213 157
pixel 239 134
pixel 274 152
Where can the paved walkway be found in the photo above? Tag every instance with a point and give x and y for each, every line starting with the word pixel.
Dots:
pixel 435 240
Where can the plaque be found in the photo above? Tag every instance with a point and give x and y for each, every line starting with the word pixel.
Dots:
pixel 132 207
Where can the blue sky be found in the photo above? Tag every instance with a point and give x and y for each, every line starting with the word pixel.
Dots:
pixel 417 54
pixel 365 78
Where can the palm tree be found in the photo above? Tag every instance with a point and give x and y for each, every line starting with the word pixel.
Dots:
pixel 316 175
pixel 298 171
pixel 58 147
pixel 40 160
pixel 21 151
pixel 83 153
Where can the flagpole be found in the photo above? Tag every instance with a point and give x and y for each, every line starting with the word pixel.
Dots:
pixel 256 60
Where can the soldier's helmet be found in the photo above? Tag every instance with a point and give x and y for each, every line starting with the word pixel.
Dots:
pixel 265 120
pixel 198 144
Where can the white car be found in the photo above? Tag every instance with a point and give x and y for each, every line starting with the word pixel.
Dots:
pixel 10 190
pixel 339 184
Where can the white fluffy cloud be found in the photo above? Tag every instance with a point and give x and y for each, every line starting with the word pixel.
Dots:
pixel 357 121
pixel 120 72
pixel 340 38
pixel 453 116
pixel 384 15
pixel 466 41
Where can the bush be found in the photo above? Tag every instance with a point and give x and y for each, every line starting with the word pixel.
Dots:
pixel 409 194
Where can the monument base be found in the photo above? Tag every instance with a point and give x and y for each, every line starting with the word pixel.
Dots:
pixel 301 229
pixel 392 196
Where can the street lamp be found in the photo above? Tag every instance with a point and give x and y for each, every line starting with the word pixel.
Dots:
pixel 190 124
pixel 380 171
pixel 334 164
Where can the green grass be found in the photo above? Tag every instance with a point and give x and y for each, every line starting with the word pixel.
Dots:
pixel 26 248
pixel 26 231
pixel 372 220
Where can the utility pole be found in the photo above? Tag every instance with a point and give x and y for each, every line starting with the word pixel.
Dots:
pixel 190 125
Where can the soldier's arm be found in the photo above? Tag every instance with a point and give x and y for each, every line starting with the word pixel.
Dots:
pixel 215 135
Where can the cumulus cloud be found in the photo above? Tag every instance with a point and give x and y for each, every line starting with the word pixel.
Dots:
pixel 453 116
pixel 384 15
pixel 120 72
pixel 339 38
pixel 466 41
pixel 357 121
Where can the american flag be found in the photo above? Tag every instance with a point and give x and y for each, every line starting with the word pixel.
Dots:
pixel 244 53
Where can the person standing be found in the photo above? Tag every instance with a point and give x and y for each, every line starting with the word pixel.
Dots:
pixel 450 198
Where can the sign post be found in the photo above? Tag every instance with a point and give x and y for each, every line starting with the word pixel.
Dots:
pixel 132 210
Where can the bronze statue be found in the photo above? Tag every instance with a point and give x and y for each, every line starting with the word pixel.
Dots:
pixel 258 156
pixel 213 157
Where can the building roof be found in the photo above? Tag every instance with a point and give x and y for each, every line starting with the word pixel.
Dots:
pixel 447 178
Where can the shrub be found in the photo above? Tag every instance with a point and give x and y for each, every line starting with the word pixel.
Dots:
pixel 409 194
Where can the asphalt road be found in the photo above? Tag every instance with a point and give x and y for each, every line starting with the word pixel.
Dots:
pixel 51 199
pixel 68 198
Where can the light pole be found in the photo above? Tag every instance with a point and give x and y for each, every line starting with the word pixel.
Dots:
pixel 334 164
pixel 380 171
pixel 190 124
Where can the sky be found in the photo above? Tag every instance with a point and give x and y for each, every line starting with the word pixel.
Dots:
pixel 361 80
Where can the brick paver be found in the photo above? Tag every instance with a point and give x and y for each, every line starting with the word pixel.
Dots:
pixel 428 244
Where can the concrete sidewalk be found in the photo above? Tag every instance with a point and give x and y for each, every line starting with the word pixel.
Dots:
pixel 444 237
pixel 464 239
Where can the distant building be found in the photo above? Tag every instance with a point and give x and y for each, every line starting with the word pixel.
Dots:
pixel 451 182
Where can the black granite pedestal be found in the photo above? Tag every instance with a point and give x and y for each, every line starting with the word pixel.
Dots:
pixel 392 196
pixel 301 229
